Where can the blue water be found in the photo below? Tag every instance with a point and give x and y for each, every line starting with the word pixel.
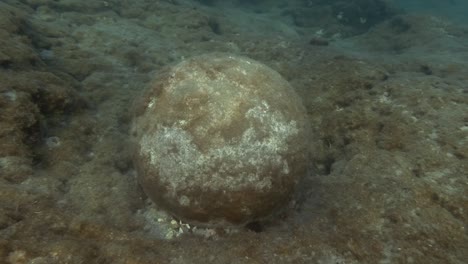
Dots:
pixel 455 10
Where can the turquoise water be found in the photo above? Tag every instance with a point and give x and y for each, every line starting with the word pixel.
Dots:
pixel 454 10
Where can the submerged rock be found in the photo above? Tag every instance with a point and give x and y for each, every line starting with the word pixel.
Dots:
pixel 220 139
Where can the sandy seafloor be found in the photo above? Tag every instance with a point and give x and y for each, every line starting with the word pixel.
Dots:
pixel 387 100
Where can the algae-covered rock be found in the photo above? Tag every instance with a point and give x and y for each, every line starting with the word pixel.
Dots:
pixel 220 139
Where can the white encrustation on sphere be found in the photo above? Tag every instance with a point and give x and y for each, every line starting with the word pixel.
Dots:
pixel 220 139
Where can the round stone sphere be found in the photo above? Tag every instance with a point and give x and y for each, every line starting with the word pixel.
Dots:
pixel 220 139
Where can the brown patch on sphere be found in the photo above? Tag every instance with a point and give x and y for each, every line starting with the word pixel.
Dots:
pixel 220 139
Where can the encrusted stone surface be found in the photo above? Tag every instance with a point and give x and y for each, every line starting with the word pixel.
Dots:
pixel 220 139
pixel 389 133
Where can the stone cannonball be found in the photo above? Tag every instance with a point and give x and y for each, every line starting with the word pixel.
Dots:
pixel 220 139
